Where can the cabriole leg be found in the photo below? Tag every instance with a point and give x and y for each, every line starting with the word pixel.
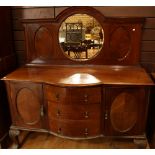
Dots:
pixel 140 142
pixel 13 133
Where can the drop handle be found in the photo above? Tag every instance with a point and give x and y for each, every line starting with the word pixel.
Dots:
pixel 85 96
pixel 42 110
pixel 106 115
pixel 58 112
pixel 59 130
pixel 57 96
pixel 86 114
pixel 86 131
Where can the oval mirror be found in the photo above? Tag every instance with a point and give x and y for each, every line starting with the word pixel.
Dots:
pixel 81 37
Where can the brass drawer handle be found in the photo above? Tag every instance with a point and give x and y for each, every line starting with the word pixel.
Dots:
pixel 86 100
pixel 86 114
pixel 42 111
pixel 57 96
pixel 58 112
pixel 106 116
pixel 86 131
pixel 85 96
pixel 59 130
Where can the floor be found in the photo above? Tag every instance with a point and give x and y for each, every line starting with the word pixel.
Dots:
pixel 36 140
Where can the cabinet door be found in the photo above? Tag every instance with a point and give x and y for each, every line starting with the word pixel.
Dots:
pixel 26 104
pixel 126 111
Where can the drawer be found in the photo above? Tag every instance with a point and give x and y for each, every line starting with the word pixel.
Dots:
pixel 55 94
pixel 85 95
pixel 75 129
pixel 74 112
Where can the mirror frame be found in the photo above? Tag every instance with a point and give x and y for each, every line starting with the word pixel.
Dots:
pixel 98 50
pixel 80 10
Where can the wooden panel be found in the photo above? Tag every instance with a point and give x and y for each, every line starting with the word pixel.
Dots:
pixel 59 10
pixel 79 129
pixel 150 23
pixel 113 11
pixel 127 106
pixel 85 95
pixel 149 66
pixel 43 42
pixel 85 112
pixel 148 56
pixel 148 34
pixel 55 94
pixel 148 46
pixel 27 104
pixel 120 43
pixel 21 105
pixel 33 13
pixel 124 108
pixel 127 11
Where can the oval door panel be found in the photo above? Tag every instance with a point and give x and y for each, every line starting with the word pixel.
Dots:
pixel 120 44
pixel 28 106
pixel 123 112
pixel 43 43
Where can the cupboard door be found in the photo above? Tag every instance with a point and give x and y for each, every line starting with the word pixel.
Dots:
pixel 126 111
pixel 26 104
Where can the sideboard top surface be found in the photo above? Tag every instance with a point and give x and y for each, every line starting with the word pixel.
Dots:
pixel 82 75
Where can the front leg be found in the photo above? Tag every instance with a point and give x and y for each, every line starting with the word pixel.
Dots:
pixel 140 142
pixel 14 133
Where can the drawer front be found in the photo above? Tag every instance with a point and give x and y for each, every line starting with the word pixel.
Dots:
pixel 74 112
pixel 55 94
pixel 79 129
pixel 85 95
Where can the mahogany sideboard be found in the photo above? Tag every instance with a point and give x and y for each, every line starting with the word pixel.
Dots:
pixel 106 95
pixel 79 102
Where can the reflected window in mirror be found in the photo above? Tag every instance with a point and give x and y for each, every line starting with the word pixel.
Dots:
pixel 81 37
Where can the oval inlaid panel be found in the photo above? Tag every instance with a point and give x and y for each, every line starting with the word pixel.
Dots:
pixel 28 106
pixel 123 112
pixel 43 43
pixel 120 43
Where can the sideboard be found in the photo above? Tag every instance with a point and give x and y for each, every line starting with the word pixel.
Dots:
pixel 105 93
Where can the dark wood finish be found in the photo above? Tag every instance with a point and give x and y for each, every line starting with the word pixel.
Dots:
pixel 85 112
pixel 76 129
pixel 94 105
pixel 63 104
pixel 26 107
pixel 74 99
pixel 85 75
pixel 126 110
pixel 111 11
pixel 151 121
pixel 7 64
pixel 126 30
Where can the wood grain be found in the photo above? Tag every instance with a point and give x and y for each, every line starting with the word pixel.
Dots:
pixel 112 11
pixel 47 141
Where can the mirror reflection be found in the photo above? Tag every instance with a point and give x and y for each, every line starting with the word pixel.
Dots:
pixel 81 37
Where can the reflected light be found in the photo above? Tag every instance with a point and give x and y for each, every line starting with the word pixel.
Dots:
pixel 80 78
